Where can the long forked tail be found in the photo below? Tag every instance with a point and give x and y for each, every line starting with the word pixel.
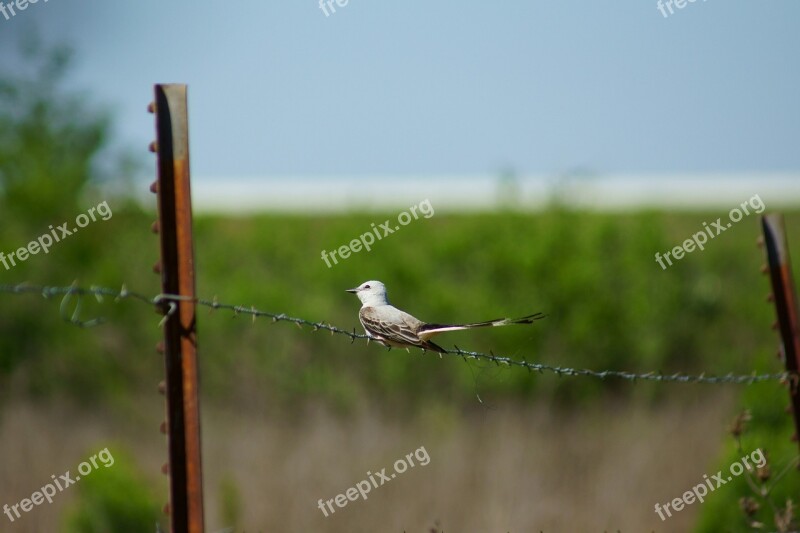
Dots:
pixel 429 330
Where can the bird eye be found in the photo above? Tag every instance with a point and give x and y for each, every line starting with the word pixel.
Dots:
pixel 366 286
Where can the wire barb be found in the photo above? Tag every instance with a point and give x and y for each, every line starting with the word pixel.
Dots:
pixel 75 318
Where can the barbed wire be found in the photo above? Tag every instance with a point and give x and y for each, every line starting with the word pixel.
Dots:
pixel 168 302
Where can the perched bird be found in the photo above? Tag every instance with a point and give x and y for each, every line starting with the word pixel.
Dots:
pixel 392 327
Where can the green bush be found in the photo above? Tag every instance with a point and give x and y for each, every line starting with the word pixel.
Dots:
pixel 769 429
pixel 113 499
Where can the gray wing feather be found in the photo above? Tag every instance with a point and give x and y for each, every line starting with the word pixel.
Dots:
pixel 395 325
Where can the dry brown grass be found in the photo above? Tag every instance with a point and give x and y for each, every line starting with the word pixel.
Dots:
pixel 508 468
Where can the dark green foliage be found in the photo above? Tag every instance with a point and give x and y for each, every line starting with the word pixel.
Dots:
pixel 113 499
pixel 49 139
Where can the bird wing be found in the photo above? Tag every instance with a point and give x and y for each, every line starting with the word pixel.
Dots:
pixel 389 323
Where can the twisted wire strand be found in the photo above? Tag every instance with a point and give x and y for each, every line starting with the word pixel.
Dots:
pixel 168 303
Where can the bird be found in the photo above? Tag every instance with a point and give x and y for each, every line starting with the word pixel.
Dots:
pixel 393 327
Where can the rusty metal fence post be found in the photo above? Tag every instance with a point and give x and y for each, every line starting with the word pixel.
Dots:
pixel 174 226
pixel 785 298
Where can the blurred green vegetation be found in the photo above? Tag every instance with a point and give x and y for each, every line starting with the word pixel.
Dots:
pixel 609 304
pixel 53 163
pixel 766 494
pixel 230 502
pixel 113 498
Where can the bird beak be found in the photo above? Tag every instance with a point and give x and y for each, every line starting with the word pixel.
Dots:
pixel 352 290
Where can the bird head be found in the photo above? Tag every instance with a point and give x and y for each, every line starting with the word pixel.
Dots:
pixel 371 293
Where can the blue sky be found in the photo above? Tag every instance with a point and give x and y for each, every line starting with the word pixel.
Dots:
pixel 447 87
